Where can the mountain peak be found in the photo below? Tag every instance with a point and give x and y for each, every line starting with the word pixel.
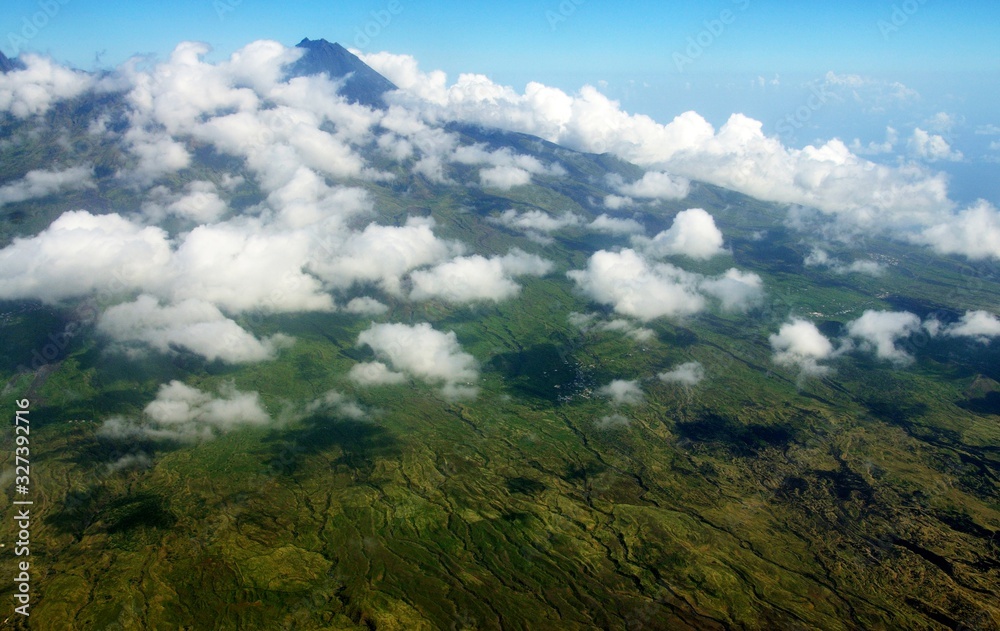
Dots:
pixel 361 83
pixel 6 65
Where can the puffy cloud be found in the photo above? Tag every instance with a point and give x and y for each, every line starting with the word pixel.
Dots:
pixel 366 306
pixel 981 325
pixel 426 354
pixel 504 177
pixel 472 278
pixel 244 265
pixel 193 325
pixel 589 322
pixel 382 254
pixel 973 232
pixel 880 330
pixel 799 343
pixel 689 374
pixel 622 392
pixel 613 225
pixel 199 203
pixel 636 288
pixel 40 183
pixel 612 421
pixel 536 221
pixel 693 233
pixel 932 147
pixel 617 202
pixel 821 258
pixel 374 374
pixel 736 290
pixel 80 253
pixel 337 403
pixel 33 89
pixel 858 194
pixel 186 414
pixel 653 185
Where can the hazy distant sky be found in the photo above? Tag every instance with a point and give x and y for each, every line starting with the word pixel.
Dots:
pixel 908 64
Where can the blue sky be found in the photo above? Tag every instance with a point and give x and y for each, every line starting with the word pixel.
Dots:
pixel 759 57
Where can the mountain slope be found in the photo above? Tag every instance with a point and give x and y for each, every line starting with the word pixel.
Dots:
pixel 361 83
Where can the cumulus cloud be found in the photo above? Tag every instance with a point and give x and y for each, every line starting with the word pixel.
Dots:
pixel 536 221
pixel 635 288
pixel 424 353
pixel 193 325
pixel 183 413
pixel 613 225
pixel 932 147
pixel 653 185
pixel 374 374
pixel 587 322
pixel 365 306
pixel 80 253
pixel 612 421
pixel 800 344
pixel 856 193
pixel 880 330
pixel 689 374
pixel 474 278
pixel 383 254
pixel 638 288
pixel 973 232
pixel 338 404
pixel 982 326
pixel 200 202
pixel 622 392
pixel 40 183
pixel 41 83
pixel 819 257
pixel 693 233
pixel 736 290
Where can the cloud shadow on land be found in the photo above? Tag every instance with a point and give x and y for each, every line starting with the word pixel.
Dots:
pixel 360 444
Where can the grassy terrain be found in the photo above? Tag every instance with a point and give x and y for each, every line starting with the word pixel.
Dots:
pixel 757 500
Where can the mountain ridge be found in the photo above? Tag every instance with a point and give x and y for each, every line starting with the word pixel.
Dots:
pixel 362 84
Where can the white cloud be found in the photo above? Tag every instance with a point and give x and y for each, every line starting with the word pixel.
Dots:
pixel 199 203
pixel 194 325
pixel 80 253
pixel 536 221
pixel 973 232
pixel 426 354
pixel 617 202
pixel 689 374
pixel 983 326
pixel 186 414
pixel 374 374
pixel 40 183
pixel 931 147
pixel 693 233
pixel 613 225
pixel 647 290
pixel 880 330
pixel 653 185
pixel 877 148
pixel 32 90
pixel 858 194
pixel 504 177
pixel 612 421
pixel 382 254
pixel 366 306
pixel 799 343
pixel 473 278
pixel 736 290
pixel 337 403
pixel 821 258
pixel 636 288
pixel 622 392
